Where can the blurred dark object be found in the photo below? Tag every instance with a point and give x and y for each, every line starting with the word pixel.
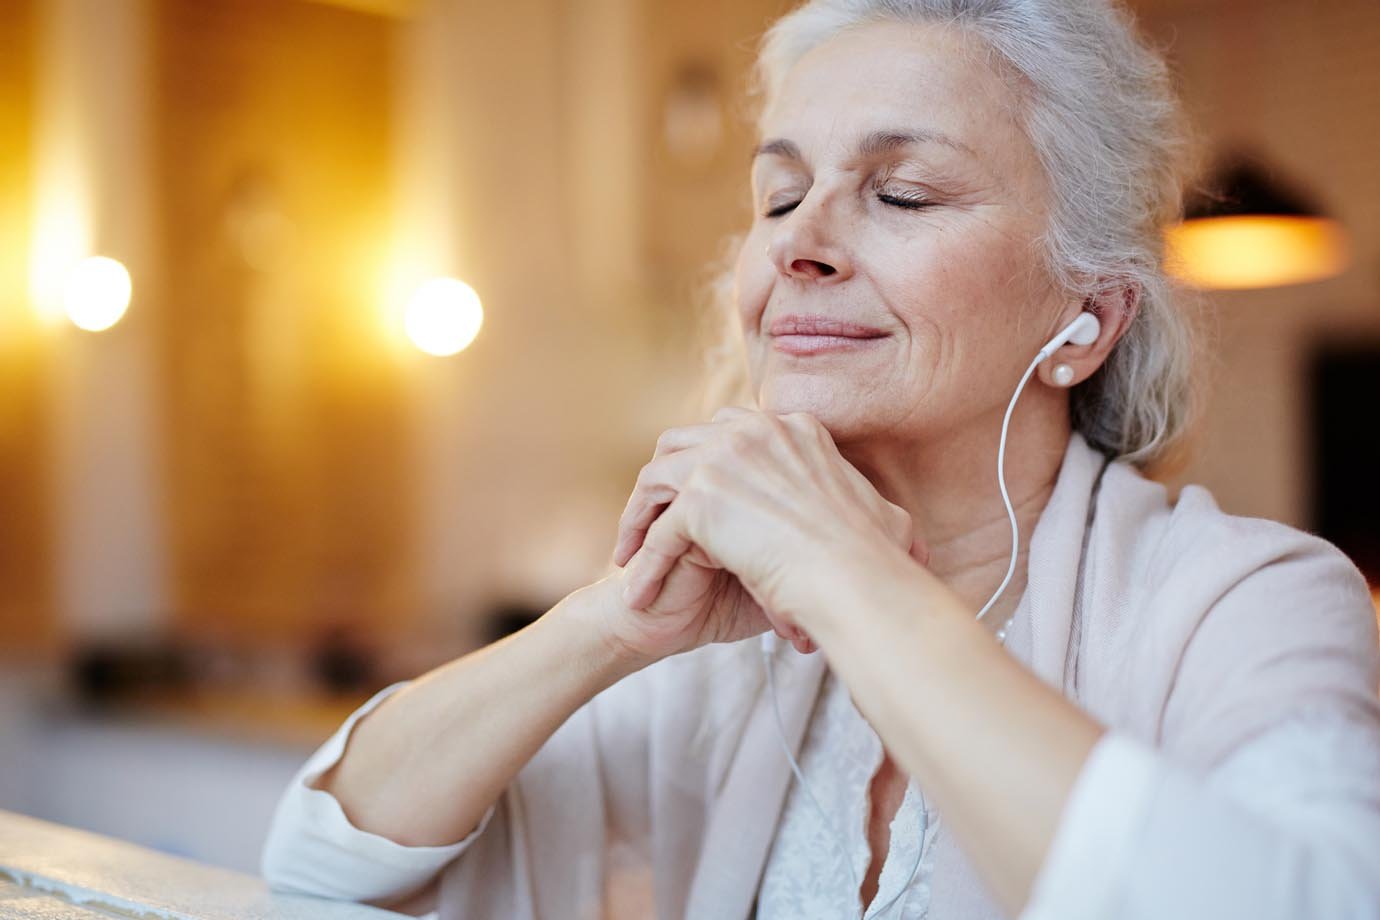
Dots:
pixel 506 619
pixel 109 672
pixel 1346 451
pixel 342 662
pixel 1242 184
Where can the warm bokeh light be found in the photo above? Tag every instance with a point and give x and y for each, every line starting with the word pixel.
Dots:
pixel 443 316
pixel 1231 253
pixel 96 293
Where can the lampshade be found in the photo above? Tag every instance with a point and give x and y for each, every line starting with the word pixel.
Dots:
pixel 1249 229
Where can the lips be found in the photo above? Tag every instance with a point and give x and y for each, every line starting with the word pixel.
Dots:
pixel 803 336
pixel 799 324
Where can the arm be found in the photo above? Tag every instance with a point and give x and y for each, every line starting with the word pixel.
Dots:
pixel 460 733
pixel 357 848
pixel 1076 824
pixel 998 752
pixel 1285 827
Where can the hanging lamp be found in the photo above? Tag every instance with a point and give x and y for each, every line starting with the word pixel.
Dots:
pixel 1248 229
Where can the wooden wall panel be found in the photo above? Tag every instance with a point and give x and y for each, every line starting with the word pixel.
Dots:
pixel 26 596
pixel 286 425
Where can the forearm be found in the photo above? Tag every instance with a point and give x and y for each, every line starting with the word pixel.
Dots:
pixel 458 735
pixel 996 749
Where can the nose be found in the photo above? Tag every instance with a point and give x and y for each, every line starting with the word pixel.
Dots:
pixel 807 244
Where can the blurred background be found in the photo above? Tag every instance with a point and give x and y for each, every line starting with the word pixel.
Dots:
pixel 333 335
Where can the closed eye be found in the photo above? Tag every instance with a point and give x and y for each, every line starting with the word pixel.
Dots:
pixel 781 210
pixel 913 204
pixel 910 204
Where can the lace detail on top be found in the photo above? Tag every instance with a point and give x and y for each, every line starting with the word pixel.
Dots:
pixel 805 875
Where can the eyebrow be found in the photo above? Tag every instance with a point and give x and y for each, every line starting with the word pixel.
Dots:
pixel 874 144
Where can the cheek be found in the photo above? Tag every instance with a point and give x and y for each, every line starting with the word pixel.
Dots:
pixel 752 281
pixel 962 284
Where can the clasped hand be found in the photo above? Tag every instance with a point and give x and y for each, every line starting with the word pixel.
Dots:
pixel 739 525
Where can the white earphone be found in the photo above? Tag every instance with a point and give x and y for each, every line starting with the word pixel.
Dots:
pixel 1084 330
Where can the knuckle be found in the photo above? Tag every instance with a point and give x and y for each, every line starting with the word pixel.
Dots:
pixel 644 478
pixel 739 440
pixel 696 484
pixel 807 424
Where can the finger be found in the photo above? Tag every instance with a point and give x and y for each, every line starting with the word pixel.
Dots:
pixel 633 531
pixel 788 632
pixel 650 495
pixel 785 631
pixel 657 485
pixel 730 412
pixel 674 439
pixel 895 520
pixel 920 551
pixel 664 543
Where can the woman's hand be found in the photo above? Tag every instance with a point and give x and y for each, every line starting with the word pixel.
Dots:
pixel 699 603
pixel 761 506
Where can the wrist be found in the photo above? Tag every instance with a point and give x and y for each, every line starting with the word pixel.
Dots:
pixel 879 595
pixel 586 617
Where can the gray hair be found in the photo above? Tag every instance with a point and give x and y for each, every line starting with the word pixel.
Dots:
pixel 1099 109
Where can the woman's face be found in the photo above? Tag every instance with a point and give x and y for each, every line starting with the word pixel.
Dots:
pixel 898 203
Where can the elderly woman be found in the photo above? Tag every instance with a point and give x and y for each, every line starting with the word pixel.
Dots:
pixel 1159 710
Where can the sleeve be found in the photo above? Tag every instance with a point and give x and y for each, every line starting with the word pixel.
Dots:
pixel 1286 827
pixel 585 789
pixel 1260 796
pixel 1274 621
pixel 312 848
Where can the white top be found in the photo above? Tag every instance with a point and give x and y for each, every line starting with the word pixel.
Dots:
pixel 1305 782
pixel 806 875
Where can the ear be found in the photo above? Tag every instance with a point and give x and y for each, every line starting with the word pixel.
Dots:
pixel 1115 307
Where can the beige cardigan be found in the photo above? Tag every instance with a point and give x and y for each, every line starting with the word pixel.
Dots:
pixel 1192 632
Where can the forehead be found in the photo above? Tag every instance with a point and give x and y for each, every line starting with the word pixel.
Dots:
pixel 921 78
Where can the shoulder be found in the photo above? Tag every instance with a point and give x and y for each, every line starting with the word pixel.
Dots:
pixel 1241 621
pixel 1191 552
pixel 1198 528
pixel 1264 571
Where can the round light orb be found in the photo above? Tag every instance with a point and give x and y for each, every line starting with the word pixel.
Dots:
pixel 443 316
pixel 96 293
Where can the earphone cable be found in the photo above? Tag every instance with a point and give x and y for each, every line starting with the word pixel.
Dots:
pixel 1001 482
pixel 1010 570
pixel 838 839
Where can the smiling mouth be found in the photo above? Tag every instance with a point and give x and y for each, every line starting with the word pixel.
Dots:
pixel 812 335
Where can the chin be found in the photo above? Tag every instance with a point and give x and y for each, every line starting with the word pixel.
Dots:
pixel 840 408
